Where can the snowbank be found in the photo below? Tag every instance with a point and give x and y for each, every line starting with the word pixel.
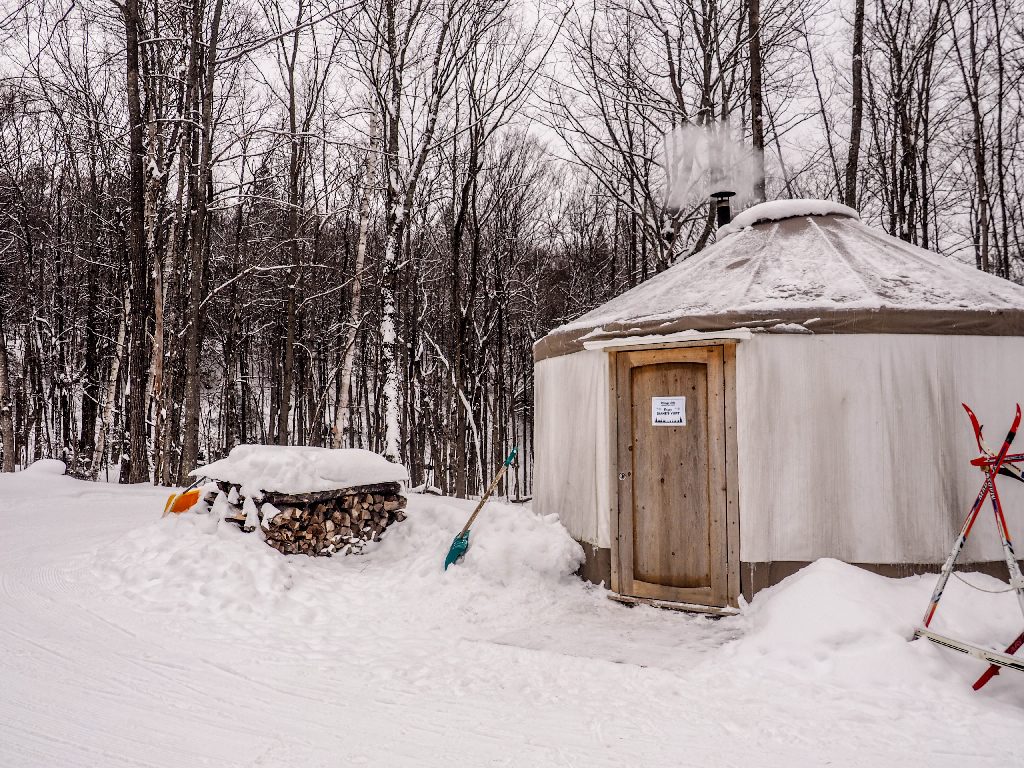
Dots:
pixel 46 467
pixel 124 620
pixel 301 469
pixel 196 563
pixel 829 623
pixel 838 623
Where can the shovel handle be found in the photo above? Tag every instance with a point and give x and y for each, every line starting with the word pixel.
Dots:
pixel 489 491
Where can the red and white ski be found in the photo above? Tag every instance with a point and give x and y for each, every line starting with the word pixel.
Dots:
pixel 992 465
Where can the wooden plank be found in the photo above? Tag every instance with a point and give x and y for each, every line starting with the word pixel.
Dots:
pixel 613 469
pixel 673 606
pixel 703 595
pixel 623 543
pixel 732 481
pixel 669 345
pixel 717 504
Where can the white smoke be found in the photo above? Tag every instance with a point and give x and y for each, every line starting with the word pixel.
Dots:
pixel 701 159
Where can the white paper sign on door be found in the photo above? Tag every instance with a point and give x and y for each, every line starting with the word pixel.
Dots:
pixel 668 411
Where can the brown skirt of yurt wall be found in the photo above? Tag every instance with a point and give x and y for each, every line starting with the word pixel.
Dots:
pixel 597 569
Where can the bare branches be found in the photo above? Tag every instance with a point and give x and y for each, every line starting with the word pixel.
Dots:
pixel 347 224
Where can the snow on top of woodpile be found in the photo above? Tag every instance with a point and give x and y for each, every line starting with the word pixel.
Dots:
pixel 777 210
pixel 301 469
pixel 808 262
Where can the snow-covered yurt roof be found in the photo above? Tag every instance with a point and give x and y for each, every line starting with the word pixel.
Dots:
pixel 809 263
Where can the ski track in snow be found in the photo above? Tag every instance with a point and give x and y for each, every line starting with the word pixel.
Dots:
pixel 130 641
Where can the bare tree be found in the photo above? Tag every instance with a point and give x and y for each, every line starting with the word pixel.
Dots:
pixel 856 106
pixel 756 89
pixel 200 97
pixel 342 410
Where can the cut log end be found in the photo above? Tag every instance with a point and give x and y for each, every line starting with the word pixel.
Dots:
pixel 321 524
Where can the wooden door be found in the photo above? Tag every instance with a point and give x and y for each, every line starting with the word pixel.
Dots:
pixel 672 536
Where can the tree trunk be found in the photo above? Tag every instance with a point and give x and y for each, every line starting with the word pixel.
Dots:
pixel 389 342
pixel 105 419
pixel 137 470
pixel 90 371
pixel 342 417
pixel 6 412
pixel 857 107
pixel 294 168
pixel 756 94
pixel 201 186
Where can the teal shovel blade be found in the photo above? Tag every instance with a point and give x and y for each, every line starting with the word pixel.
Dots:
pixel 458 548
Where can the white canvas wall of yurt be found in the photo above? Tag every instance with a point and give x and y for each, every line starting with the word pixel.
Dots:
pixel 790 393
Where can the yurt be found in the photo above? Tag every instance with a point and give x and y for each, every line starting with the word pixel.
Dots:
pixel 789 393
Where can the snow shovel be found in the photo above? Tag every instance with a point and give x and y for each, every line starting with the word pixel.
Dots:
pixel 181 502
pixel 461 542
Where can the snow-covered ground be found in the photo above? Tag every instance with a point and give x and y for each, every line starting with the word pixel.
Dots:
pixel 127 640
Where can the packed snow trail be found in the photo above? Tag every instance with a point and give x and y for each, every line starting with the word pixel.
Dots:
pixel 126 640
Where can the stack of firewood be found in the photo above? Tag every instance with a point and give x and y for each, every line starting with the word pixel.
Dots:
pixel 325 522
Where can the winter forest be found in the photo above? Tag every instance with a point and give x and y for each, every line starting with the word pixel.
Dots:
pixel 345 224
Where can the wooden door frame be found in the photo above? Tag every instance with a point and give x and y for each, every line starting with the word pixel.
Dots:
pixel 732 507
